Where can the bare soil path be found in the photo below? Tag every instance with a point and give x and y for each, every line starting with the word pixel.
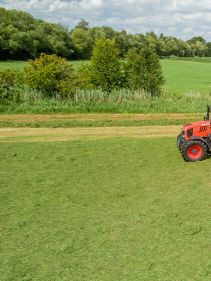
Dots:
pixel 63 134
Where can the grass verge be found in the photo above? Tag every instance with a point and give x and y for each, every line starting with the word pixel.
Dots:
pixel 122 101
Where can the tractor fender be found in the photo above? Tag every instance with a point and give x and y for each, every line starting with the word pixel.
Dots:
pixel 200 139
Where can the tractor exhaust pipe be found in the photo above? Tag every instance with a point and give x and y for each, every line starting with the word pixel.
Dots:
pixel 207 115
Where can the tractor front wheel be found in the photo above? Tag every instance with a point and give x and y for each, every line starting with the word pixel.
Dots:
pixel 194 150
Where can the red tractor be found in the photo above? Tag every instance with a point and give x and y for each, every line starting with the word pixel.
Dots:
pixel 194 142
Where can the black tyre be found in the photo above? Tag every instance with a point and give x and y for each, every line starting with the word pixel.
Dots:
pixel 194 150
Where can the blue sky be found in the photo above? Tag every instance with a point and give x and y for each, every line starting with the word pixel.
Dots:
pixel 180 18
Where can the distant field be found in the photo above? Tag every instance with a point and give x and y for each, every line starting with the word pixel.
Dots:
pixel 181 76
pixel 15 65
pixel 185 76
pixel 198 59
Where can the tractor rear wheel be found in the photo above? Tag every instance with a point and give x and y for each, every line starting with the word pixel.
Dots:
pixel 194 150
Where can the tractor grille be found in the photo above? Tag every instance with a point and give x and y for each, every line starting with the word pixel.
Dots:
pixel 203 129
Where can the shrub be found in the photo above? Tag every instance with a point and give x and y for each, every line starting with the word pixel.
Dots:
pixel 105 65
pixel 143 72
pixel 10 82
pixel 51 75
pixel 151 72
pixel 133 70
pixel 85 78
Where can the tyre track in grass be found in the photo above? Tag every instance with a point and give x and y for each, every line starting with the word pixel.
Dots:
pixel 65 134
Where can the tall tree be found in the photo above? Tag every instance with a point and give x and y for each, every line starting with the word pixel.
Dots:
pixel 83 43
pixel 83 24
pixel 133 70
pixel 105 65
pixel 151 75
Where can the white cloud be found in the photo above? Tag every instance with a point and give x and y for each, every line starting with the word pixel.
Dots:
pixel 90 4
pixel 183 19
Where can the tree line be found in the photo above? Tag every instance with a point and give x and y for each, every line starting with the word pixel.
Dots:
pixel 23 37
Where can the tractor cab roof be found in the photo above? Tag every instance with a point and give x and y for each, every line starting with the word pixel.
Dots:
pixel 197 124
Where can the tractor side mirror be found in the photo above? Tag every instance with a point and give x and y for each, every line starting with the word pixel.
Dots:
pixel 207 115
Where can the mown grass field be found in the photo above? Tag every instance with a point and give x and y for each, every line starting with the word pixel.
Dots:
pixel 123 209
pixel 14 65
pixel 190 75
pixel 187 76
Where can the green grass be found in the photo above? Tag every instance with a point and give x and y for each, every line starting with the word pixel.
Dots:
pixel 122 101
pixel 14 65
pixel 103 210
pixel 187 76
pixel 198 59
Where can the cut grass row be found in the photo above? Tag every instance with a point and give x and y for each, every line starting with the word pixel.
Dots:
pixel 64 134
pixel 95 120
pixel 101 123
pixel 123 209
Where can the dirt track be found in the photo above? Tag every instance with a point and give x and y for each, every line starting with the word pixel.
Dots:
pixel 63 134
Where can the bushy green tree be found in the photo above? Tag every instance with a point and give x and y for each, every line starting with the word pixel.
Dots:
pixel 133 71
pixel 123 42
pixel 105 65
pixel 143 71
pixel 208 54
pixel 83 43
pixel 51 74
pixel 151 75
pixel 23 37
pixel 83 24
pixel 84 77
